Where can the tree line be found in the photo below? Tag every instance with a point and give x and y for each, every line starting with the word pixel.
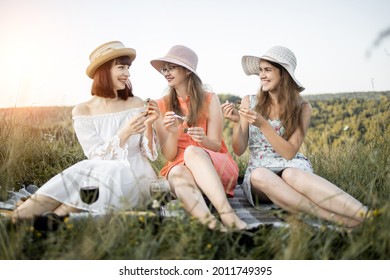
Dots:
pixel 337 118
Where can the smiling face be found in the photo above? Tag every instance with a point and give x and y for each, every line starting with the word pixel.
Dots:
pixel 270 76
pixel 176 75
pixel 119 76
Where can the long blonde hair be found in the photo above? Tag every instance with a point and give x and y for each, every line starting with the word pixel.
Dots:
pixel 197 108
pixel 289 100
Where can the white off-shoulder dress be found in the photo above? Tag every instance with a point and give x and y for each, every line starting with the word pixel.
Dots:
pixel 122 174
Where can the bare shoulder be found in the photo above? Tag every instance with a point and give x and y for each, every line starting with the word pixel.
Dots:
pixel 81 109
pixel 215 99
pixel 135 101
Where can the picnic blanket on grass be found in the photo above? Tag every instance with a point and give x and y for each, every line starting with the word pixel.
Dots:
pixel 261 215
pixel 254 217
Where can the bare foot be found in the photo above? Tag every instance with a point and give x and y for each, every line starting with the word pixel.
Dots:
pixel 232 221
pixel 216 225
pixel 213 223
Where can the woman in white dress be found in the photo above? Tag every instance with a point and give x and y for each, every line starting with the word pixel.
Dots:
pixel 274 124
pixel 114 128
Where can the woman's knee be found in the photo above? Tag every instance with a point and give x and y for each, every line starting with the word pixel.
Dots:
pixel 94 168
pixel 260 182
pixel 180 176
pixel 260 177
pixel 194 153
pixel 178 171
pixel 115 165
pixel 292 175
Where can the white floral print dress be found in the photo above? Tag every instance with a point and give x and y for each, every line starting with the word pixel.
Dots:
pixel 261 154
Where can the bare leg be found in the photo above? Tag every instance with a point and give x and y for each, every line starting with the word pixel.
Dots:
pixel 36 205
pixel 207 179
pixel 325 194
pixel 288 198
pixel 184 187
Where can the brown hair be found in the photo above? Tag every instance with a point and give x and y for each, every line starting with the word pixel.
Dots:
pixel 197 96
pixel 102 85
pixel 289 100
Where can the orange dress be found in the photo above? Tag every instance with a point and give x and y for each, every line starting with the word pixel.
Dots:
pixel 223 162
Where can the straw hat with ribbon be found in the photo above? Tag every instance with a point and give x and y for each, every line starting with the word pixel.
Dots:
pixel 107 52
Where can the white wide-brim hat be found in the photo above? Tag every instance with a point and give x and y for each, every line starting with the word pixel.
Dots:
pixel 278 54
pixel 180 55
pixel 105 53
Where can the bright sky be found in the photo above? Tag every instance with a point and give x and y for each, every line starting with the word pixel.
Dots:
pixel 45 44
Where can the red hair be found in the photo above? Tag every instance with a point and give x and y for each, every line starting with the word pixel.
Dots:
pixel 102 85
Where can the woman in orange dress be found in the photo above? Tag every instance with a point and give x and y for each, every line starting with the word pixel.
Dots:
pixel 190 134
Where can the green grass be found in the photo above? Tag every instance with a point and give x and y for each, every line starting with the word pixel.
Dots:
pixel 36 144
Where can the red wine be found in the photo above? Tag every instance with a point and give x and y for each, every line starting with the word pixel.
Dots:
pixel 89 194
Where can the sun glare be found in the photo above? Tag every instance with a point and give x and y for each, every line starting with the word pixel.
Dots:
pixel 23 71
pixel 24 56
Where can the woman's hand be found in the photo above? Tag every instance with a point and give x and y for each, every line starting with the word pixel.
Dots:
pixel 152 112
pixel 171 122
pixel 136 125
pixel 230 112
pixel 197 134
pixel 251 116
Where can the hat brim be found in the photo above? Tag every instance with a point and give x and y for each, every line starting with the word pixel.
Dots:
pixel 91 69
pixel 161 62
pixel 250 65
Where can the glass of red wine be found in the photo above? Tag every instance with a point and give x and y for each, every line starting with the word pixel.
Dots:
pixel 89 194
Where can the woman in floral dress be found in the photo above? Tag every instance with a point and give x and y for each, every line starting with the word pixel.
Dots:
pixel 273 124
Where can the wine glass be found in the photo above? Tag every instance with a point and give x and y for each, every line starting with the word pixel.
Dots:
pixel 89 194
pixel 160 191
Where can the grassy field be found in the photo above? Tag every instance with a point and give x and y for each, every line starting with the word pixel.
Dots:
pixel 37 143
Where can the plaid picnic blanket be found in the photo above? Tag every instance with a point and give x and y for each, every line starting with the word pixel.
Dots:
pixel 261 215
pixel 254 217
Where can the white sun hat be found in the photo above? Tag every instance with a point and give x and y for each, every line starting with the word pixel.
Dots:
pixel 278 54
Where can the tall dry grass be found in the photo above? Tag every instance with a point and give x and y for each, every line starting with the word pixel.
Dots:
pixel 37 143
